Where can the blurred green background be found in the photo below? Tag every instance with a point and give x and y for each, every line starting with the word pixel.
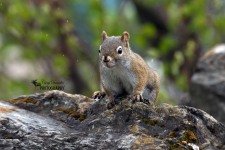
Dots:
pixel 58 40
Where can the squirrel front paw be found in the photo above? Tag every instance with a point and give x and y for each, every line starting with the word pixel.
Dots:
pixel 136 98
pixel 98 95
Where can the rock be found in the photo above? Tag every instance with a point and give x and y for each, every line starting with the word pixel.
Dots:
pixel 207 88
pixel 57 120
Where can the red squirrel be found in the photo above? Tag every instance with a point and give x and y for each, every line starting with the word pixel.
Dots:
pixel 124 73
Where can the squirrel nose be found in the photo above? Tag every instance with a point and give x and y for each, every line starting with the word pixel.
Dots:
pixel 106 58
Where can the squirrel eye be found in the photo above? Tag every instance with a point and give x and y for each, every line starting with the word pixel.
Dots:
pixel 119 50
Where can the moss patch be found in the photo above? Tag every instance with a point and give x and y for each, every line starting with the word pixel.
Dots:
pixel 176 145
pixel 179 140
pixel 143 140
pixel 189 136
pixel 150 121
pixel 23 100
pixel 72 113
pixel 172 134
pixel 134 128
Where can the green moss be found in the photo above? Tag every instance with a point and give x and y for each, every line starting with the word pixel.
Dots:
pixel 172 134
pixel 150 121
pixel 174 146
pixel 177 145
pixel 72 113
pixel 143 140
pixel 23 100
pixel 189 136
pixel 65 110
pixel 82 117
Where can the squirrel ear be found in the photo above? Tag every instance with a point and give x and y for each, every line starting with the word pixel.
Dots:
pixel 125 38
pixel 104 35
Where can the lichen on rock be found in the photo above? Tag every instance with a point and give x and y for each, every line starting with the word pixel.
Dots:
pixel 58 120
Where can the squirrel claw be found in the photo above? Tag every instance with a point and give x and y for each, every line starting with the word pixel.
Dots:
pixel 137 98
pixel 98 95
pixel 146 101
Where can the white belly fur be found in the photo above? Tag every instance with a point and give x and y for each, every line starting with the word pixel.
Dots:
pixel 117 80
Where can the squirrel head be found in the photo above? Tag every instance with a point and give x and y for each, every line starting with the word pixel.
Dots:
pixel 114 50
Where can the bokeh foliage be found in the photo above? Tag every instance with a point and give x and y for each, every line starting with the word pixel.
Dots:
pixel 59 40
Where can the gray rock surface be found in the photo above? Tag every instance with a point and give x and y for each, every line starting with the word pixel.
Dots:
pixel 207 88
pixel 57 120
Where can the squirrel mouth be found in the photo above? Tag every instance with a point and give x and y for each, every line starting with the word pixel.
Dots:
pixel 109 64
